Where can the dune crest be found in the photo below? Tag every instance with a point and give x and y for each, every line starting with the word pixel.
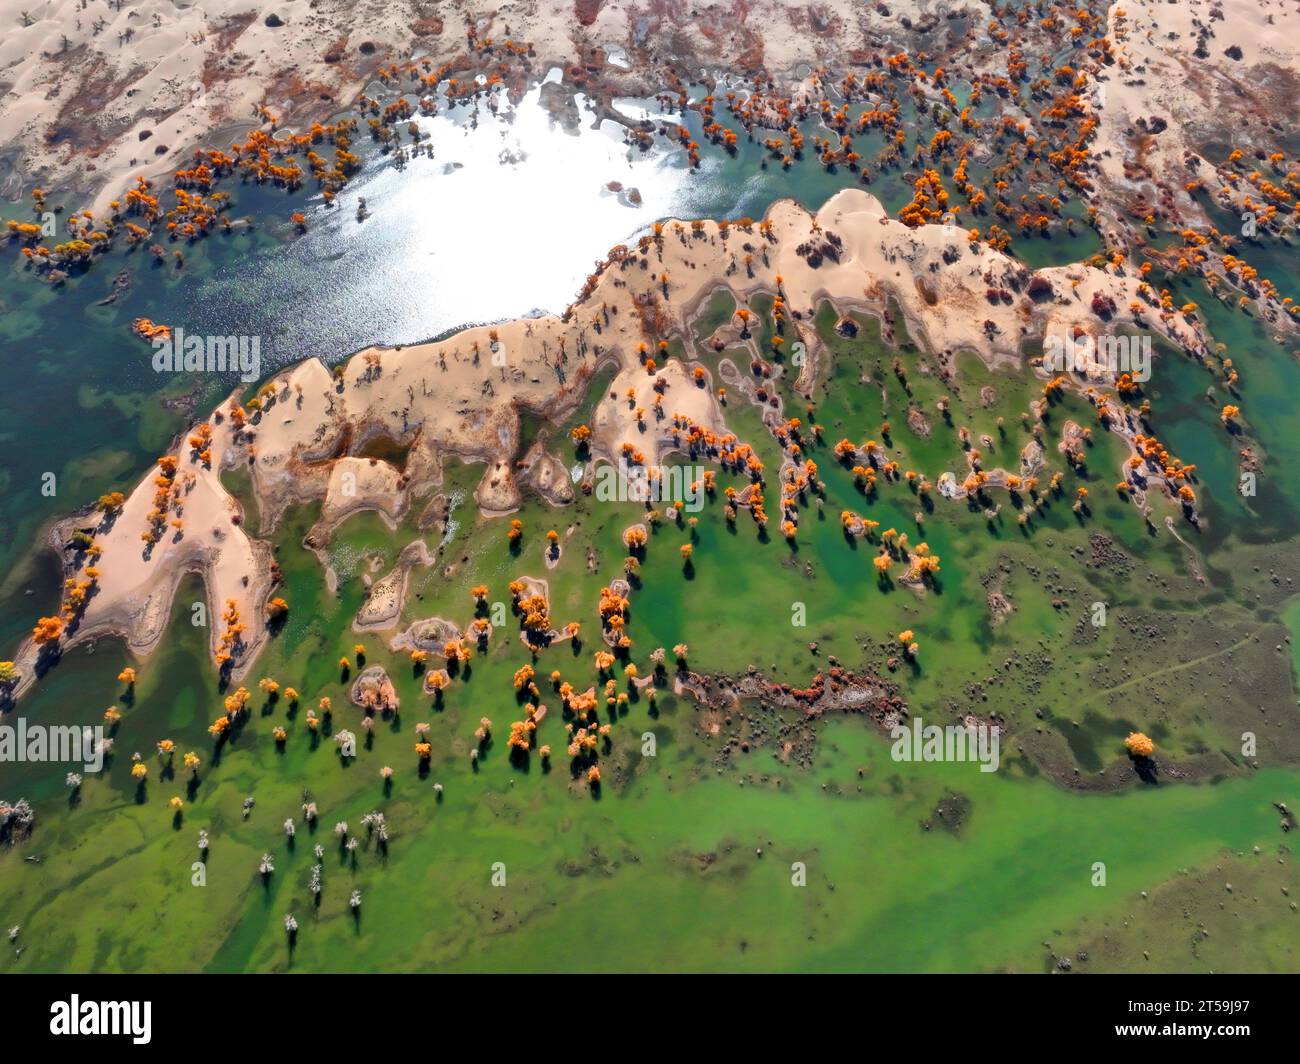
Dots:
pixel 304 435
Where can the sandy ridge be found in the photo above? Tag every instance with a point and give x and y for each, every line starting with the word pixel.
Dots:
pixel 465 395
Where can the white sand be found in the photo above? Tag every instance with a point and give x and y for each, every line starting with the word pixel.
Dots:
pixel 1157 74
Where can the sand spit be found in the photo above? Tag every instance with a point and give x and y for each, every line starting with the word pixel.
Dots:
pixel 464 396
pixel 383 606
pixel 631 418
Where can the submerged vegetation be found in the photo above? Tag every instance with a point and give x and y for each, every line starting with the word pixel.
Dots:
pixel 663 705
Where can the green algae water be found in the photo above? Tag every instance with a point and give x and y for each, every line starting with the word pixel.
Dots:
pixel 681 866
pixel 668 868
pixel 694 857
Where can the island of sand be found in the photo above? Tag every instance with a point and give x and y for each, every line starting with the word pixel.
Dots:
pixel 299 438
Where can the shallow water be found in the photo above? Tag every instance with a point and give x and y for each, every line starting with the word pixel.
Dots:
pixel 661 872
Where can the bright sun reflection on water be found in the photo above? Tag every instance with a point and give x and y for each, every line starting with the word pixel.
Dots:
pixel 519 210
pixel 507 219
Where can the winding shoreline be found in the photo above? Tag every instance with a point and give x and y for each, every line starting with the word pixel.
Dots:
pixel 465 396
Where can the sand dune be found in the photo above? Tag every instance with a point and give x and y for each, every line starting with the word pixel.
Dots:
pixel 95 93
pixel 464 396
pixel 1162 97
